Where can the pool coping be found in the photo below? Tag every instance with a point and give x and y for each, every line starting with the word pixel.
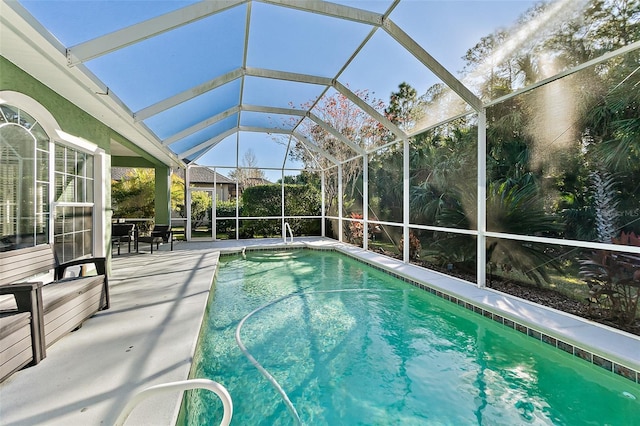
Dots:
pixel 580 337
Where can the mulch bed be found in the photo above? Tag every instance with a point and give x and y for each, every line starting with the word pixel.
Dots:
pixel 562 302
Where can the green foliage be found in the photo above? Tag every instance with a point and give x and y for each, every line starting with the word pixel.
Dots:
pixel 614 280
pixel 257 201
pixel 354 231
pixel 177 194
pixel 262 200
pixel 405 108
pixel 303 178
pixel 265 200
pixel 515 209
pixel 227 209
pixel 134 195
pixel 200 207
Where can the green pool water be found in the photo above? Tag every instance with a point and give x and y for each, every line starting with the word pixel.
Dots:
pixel 351 345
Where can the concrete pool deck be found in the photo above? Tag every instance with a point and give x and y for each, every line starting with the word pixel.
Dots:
pixel 149 335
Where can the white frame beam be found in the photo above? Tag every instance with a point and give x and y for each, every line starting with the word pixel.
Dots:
pixel 365 202
pixel 369 110
pixel 331 9
pixel 481 255
pixel 147 29
pixel 313 147
pixel 335 133
pixel 272 110
pixel 202 125
pixel 208 143
pixel 287 76
pixel 188 94
pixel 406 188
pixel 340 195
pixel 257 129
pixel 429 61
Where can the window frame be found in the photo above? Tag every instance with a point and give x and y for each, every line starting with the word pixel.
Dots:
pixel 58 138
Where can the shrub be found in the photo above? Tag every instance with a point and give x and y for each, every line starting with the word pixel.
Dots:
pixel 414 246
pixel 614 280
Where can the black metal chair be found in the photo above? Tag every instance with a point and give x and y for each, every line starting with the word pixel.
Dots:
pixel 159 234
pixel 122 233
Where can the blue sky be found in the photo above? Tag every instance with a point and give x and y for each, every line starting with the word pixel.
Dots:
pixel 280 38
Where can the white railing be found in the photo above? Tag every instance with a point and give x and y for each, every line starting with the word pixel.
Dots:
pixel 287 228
pixel 183 385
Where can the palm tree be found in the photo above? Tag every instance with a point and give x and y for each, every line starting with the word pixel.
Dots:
pixel 513 208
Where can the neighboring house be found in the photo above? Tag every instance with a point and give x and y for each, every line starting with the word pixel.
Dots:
pixel 203 177
pixel 255 181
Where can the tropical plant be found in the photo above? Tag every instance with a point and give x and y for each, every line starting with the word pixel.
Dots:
pixel 516 208
pixel 354 232
pixel 614 280
pixel 414 246
pixel 201 203
pixel 134 195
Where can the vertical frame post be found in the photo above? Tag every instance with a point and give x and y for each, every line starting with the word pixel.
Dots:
pixel 284 231
pixel 340 238
pixel 187 201
pixel 214 206
pixel 481 255
pixel 365 201
pixel 323 226
pixel 405 200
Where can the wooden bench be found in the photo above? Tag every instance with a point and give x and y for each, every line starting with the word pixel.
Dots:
pixel 34 315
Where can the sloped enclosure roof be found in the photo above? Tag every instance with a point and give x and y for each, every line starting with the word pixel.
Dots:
pixel 209 81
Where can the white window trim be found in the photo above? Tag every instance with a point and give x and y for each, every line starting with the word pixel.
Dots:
pixel 57 135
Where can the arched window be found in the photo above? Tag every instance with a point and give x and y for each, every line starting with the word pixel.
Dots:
pixel 46 185
pixel 24 180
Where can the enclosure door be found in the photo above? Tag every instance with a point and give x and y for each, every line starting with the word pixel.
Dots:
pixel 203 208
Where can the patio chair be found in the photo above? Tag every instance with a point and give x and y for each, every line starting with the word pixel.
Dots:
pixel 159 234
pixel 122 233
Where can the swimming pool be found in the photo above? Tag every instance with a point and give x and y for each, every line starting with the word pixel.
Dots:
pixel 348 344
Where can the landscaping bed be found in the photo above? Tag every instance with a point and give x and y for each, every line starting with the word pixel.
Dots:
pixel 543 296
pixel 557 300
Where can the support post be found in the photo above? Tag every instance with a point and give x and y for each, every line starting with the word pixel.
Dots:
pixel 163 194
pixel 187 202
pixel 481 255
pixel 405 200
pixel 214 206
pixel 284 231
pixel 323 226
pixel 365 201
pixel 102 215
pixel 340 237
